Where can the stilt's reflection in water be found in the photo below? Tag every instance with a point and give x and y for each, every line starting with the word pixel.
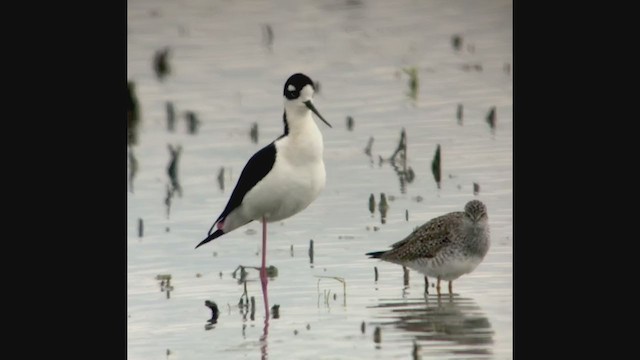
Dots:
pixel 263 339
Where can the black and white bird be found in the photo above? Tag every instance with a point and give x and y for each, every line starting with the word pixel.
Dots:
pixel 284 177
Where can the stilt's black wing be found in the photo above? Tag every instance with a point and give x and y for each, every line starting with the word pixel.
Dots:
pixel 255 170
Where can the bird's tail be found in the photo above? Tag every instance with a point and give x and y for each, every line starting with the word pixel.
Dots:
pixel 216 234
pixel 375 254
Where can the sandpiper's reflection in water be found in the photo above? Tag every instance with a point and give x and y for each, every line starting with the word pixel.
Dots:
pixel 432 320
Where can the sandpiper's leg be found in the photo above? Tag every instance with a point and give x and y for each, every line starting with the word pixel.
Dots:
pixel 438 286
pixel 426 285
pixel 263 269
pixel 450 287
pixel 405 276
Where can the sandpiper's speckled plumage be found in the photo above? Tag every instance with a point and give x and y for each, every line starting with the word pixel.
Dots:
pixel 445 247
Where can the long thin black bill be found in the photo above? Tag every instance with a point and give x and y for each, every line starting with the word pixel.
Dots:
pixel 315 111
pixel 216 234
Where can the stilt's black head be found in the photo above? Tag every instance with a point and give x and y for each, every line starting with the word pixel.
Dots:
pixel 294 85
pixel 298 91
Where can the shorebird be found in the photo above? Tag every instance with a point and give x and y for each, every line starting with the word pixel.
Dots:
pixel 445 247
pixel 284 177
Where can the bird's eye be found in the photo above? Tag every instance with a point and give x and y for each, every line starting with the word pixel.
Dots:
pixel 291 88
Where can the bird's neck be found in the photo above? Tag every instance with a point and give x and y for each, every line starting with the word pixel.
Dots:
pixel 304 139
pixel 478 232
pixel 474 228
pixel 301 124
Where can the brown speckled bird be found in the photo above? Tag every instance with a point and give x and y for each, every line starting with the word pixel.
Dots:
pixel 445 247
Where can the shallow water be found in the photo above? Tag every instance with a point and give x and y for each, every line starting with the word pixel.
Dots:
pixel 223 70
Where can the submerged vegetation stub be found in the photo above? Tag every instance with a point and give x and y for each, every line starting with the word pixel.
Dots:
pixel 436 166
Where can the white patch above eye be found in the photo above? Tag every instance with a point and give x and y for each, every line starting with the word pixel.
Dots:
pixel 291 88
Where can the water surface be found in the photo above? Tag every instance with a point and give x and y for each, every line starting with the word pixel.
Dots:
pixel 224 70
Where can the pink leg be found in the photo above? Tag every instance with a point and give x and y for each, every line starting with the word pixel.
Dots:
pixel 265 296
pixel 263 270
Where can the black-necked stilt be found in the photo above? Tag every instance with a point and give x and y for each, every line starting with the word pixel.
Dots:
pixel 282 178
pixel 445 247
